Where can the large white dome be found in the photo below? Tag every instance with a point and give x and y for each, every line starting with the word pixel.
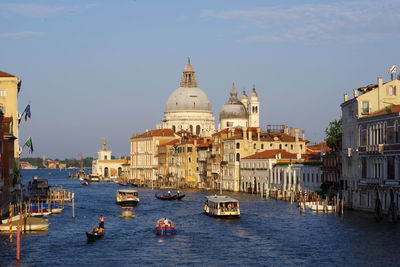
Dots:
pixel 188 99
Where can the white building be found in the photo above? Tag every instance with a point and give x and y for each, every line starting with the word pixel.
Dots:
pixel 106 167
pixel 260 172
pixel 188 107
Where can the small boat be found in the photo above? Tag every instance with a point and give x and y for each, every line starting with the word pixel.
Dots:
pixel 222 206
pixel 86 183
pixel 165 197
pixel 127 197
pixel 165 226
pixel 170 197
pixel 94 178
pixel 32 224
pixel 94 235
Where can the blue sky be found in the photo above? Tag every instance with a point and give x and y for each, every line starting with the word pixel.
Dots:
pixel 93 69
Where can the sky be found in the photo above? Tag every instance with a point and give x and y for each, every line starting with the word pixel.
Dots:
pixel 93 69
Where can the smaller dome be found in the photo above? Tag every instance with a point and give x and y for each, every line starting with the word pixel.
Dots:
pixel 233 110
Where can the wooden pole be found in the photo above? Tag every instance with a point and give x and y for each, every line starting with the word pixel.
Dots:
pixel 73 205
pixel 18 242
pixel 20 215
pixel 342 207
pixel 10 222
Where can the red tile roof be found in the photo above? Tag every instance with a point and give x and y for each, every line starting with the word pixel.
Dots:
pixel 206 144
pixel 158 132
pixel 271 154
pixel 5 74
pixel 170 143
pixel 316 149
pixel 387 110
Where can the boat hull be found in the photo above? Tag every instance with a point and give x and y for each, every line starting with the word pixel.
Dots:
pixel 128 203
pixel 92 236
pixel 165 230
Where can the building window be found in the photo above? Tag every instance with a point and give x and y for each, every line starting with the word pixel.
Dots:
pixel 280 146
pixel 191 128
pixel 237 156
pixel 237 145
pixel 391 90
pixel 254 146
pixel 105 157
pixel 291 147
pixel 365 107
pixel 3 93
pixel 173 128
pixel 198 129
pixel 190 160
pixel 262 146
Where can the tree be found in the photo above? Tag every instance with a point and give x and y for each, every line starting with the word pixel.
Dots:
pixel 333 134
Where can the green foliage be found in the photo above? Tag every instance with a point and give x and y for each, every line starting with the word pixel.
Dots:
pixel 333 134
pixel 87 162
pixel 16 172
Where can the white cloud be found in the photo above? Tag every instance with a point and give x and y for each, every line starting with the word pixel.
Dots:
pixel 347 21
pixel 19 35
pixel 41 11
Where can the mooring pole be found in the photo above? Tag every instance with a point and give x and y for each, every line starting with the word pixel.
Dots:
pixel 73 205
pixel 10 222
pixel 18 242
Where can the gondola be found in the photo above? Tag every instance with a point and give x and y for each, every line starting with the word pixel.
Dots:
pixel 86 183
pixel 179 197
pixel 94 235
pixel 165 197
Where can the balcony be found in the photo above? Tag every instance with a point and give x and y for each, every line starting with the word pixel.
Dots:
pixel 369 181
pixel 391 182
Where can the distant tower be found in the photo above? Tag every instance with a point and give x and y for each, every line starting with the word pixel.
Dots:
pixel 253 108
pixel 104 153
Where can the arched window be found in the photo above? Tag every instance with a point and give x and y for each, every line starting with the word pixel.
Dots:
pixel 173 128
pixel 291 147
pixel 262 146
pixel 237 156
pixel 105 172
pixel 280 146
pixel 119 171
pixel 191 128
pixel 198 129
pixel 105 157
pixel 256 109
pixel 190 160
pixel 237 145
pixel 254 146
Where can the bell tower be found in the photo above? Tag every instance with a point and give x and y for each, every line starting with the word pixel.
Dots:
pixel 254 109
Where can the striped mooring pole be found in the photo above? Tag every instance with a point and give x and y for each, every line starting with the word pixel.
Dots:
pixel 10 222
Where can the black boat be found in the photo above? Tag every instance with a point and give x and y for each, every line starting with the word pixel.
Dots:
pixel 170 197
pixel 165 197
pixel 179 197
pixel 94 235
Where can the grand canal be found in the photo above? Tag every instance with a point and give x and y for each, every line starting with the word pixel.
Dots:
pixel 268 232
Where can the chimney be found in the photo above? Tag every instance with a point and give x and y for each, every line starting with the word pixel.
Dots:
pixel 346 97
pixel 302 134
pixel 291 131
pixel 380 82
pixel 258 134
pixel 286 129
pixel 355 93
pixel 296 133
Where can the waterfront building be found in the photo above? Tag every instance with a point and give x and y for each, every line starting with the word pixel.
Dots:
pixel 332 169
pixel 144 161
pixel 188 107
pixel 204 161
pixel 371 145
pixel 106 167
pixel 243 142
pixel 240 113
pixel 165 177
pixel 280 172
pixel 10 86
pixel 7 182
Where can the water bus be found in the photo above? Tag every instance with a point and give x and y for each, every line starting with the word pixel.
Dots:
pixel 127 197
pixel 222 206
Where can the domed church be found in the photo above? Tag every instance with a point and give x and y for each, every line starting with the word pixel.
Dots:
pixel 240 113
pixel 188 107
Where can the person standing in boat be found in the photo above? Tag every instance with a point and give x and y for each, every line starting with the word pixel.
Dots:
pixel 177 193
pixel 101 224
pixel 169 193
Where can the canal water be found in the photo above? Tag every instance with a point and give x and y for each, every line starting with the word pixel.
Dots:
pixel 268 232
